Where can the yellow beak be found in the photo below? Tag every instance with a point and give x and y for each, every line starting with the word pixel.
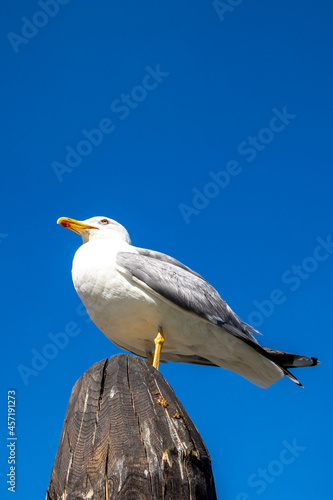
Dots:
pixel 74 225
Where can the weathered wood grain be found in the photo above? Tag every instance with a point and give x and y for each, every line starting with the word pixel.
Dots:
pixel 127 436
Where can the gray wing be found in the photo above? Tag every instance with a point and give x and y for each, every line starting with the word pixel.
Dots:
pixel 170 260
pixel 183 287
pixel 166 258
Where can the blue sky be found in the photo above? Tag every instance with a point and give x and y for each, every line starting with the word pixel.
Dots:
pixel 206 131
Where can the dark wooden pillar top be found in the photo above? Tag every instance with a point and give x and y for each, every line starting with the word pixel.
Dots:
pixel 127 436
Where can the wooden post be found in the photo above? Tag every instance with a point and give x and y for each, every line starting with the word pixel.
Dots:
pixel 127 436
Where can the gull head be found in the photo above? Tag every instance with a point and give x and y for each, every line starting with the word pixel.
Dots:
pixel 96 228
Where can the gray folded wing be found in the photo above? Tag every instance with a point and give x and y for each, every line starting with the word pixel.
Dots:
pixel 185 288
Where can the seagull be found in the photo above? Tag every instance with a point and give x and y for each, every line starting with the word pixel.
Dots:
pixel 154 306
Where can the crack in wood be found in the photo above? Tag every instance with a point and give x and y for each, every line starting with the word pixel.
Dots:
pixel 139 426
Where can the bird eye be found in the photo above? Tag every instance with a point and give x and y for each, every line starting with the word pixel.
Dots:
pixel 104 221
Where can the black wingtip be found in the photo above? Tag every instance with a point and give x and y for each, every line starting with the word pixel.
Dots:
pixel 315 361
pixel 292 377
pixel 297 382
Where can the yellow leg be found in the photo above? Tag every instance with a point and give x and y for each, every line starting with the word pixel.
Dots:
pixel 159 341
pixel 150 357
